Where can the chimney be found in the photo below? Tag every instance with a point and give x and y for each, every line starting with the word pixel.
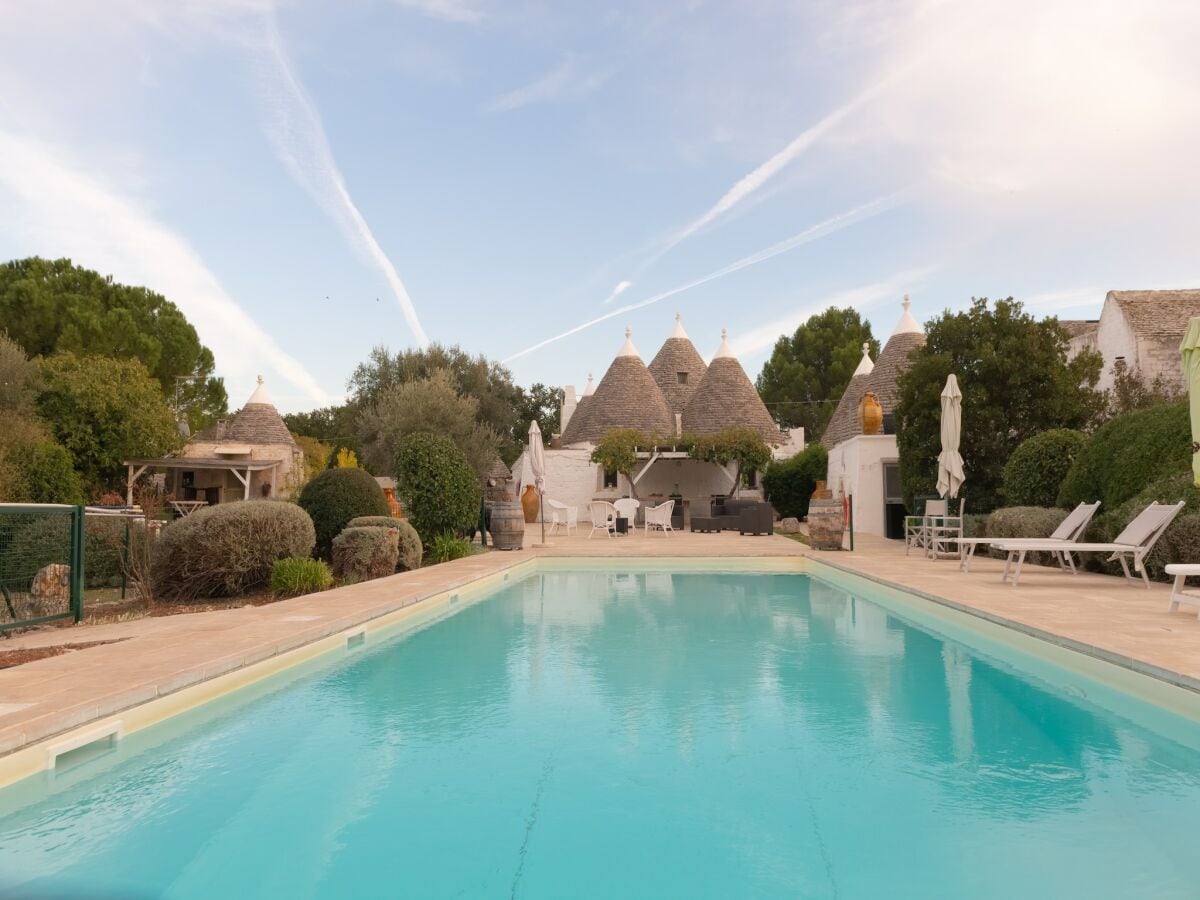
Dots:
pixel 567 408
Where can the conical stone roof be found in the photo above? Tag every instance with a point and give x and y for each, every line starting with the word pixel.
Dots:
pixel 678 368
pixel 626 397
pixel 258 422
pixel 726 397
pixel 843 424
pixel 894 361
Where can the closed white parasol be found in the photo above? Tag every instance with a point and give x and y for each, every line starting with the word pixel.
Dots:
pixel 950 464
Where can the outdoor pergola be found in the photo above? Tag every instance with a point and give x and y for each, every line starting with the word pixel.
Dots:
pixel 241 469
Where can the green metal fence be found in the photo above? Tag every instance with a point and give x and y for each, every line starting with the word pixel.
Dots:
pixel 41 564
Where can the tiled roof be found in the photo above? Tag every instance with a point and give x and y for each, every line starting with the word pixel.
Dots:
pixel 675 356
pixel 1077 327
pixel 1158 313
pixel 843 424
pixel 626 397
pixel 255 423
pixel 893 361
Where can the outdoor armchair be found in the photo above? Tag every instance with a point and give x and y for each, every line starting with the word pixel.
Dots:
pixel 561 514
pixel 660 517
pixel 603 514
pixel 1133 544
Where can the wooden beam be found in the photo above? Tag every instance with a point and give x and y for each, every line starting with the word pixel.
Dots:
pixel 130 479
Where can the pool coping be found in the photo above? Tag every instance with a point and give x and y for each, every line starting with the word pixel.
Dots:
pixel 1177 679
pixel 37 743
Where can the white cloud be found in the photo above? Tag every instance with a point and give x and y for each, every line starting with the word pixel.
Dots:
pixel 622 287
pixel 57 204
pixel 812 233
pixel 295 131
pixel 566 81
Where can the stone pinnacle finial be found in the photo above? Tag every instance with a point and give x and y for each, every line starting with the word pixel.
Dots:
pixel 906 303
pixel 724 334
pixel 866 347
pixel 628 332
pixel 260 379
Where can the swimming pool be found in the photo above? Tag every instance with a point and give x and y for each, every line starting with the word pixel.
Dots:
pixel 655 733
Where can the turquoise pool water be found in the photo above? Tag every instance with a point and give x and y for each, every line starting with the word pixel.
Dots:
pixel 595 734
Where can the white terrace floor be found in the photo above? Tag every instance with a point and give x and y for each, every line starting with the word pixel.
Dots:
pixel 1100 615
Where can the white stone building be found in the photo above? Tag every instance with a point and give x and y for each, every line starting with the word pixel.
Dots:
pixel 1142 329
pixel 676 394
pixel 866 467
pixel 250 455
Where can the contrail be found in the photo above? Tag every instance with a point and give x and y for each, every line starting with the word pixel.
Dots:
pixel 751 182
pixel 814 232
pixel 300 142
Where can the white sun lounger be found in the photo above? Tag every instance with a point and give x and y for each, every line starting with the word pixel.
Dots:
pixel 1134 543
pixel 1069 530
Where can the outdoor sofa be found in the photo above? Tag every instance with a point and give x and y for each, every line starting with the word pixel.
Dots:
pixel 746 516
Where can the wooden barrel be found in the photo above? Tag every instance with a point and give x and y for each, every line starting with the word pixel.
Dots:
pixel 508 525
pixel 825 524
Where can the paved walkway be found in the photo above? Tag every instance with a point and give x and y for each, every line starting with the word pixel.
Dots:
pixel 158 656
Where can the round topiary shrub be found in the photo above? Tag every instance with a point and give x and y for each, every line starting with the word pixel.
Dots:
pixel 366 552
pixel 789 483
pixel 1129 452
pixel 334 497
pixel 411 549
pixel 435 481
pixel 229 549
pixel 1035 471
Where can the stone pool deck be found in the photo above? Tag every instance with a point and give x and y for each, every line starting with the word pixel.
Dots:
pixel 156 657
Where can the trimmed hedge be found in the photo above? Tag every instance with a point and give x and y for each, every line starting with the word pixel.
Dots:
pixel 1035 472
pixel 1128 453
pixel 789 483
pixel 365 552
pixel 411 549
pixel 1025 522
pixel 228 549
pixel 298 575
pixel 333 497
pixel 437 485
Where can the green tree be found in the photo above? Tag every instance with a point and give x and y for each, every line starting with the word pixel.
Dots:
pixel 808 371
pixel 539 402
pixel 616 451
pixel 334 426
pixel 105 411
pixel 437 486
pixel 743 447
pixel 1016 382
pixel 53 306
pixel 487 381
pixel 433 405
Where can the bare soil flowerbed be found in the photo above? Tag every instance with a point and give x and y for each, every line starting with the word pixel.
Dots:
pixel 10 658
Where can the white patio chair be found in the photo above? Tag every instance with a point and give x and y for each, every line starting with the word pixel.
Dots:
pixel 603 514
pixel 916 528
pixel 943 531
pixel 627 508
pixel 1134 543
pixel 562 515
pixel 659 517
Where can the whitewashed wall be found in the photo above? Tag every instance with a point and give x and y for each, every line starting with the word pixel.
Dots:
pixel 856 467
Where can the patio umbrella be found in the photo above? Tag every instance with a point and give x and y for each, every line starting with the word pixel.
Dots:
pixel 1190 348
pixel 950 464
pixel 537 463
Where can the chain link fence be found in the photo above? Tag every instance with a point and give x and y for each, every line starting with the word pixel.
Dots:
pixel 41 564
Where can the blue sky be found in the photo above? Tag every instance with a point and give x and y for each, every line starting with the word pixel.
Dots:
pixel 308 179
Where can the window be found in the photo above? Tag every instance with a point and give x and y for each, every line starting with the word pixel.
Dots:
pixel 610 478
pixel 751 478
pixel 681 377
